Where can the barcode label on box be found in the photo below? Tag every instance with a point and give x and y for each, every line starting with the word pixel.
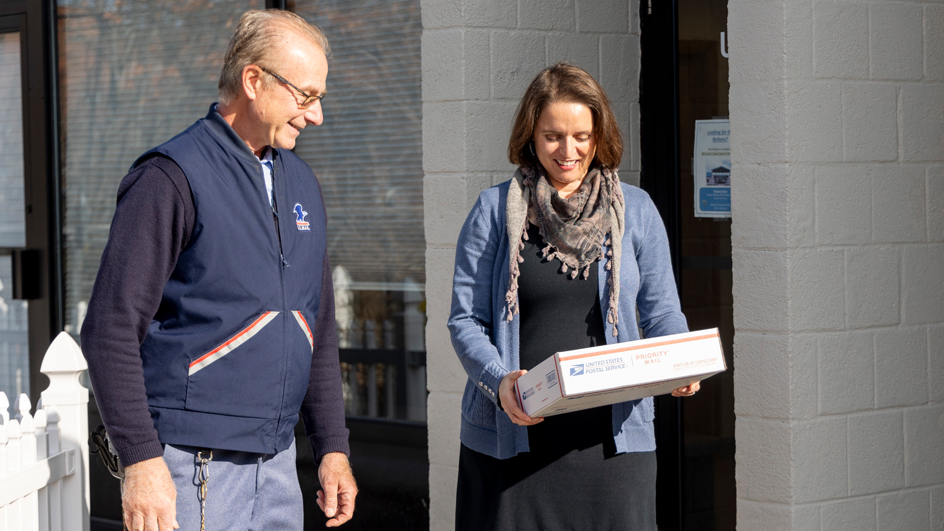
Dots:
pixel 551 379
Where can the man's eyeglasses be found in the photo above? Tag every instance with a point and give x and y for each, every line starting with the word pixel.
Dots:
pixel 308 98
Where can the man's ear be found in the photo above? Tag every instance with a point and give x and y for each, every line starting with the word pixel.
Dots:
pixel 252 81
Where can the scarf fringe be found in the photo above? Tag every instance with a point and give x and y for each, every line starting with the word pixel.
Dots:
pixel 511 297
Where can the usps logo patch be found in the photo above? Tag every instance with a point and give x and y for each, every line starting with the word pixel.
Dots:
pixel 577 370
pixel 300 214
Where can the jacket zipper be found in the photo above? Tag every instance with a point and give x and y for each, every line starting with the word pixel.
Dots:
pixel 275 219
pixel 285 264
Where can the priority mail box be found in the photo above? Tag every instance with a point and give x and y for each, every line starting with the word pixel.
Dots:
pixel 598 376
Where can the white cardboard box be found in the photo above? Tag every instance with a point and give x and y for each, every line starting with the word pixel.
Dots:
pixel 581 379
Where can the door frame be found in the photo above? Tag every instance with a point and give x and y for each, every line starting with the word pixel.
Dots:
pixel 659 176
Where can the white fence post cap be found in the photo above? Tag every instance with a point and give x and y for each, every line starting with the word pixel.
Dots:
pixel 63 363
pixel 63 355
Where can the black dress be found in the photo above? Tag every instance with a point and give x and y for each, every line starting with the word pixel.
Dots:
pixel 572 478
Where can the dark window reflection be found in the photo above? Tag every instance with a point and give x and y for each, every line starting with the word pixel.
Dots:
pixel 368 157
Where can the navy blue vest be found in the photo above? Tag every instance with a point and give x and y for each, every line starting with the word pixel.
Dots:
pixel 227 358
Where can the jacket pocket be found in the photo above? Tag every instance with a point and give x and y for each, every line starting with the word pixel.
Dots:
pixel 303 324
pixel 299 346
pixel 232 343
pixel 244 375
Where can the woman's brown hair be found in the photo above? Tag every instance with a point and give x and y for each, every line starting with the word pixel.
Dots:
pixel 565 83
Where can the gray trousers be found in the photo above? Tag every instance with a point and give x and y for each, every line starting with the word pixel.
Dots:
pixel 245 492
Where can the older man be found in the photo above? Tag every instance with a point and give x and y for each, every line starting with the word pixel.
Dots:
pixel 211 324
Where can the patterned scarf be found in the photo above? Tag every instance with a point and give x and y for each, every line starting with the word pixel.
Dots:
pixel 572 228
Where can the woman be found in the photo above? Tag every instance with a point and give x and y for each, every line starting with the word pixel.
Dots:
pixel 558 258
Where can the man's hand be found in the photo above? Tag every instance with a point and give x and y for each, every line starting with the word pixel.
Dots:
pixel 148 497
pixel 509 402
pixel 338 489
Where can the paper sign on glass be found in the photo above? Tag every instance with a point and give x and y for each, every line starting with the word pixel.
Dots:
pixel 712 169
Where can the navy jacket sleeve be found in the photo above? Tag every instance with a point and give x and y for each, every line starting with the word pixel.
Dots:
pixel 152 225
pixel 323 407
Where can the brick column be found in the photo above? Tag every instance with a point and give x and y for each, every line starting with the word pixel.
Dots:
pixel 837 120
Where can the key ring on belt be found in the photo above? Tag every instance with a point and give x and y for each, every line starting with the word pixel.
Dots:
pixel 204 478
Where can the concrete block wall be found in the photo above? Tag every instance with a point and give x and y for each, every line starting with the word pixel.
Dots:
pixel 478 58
pixel 837 121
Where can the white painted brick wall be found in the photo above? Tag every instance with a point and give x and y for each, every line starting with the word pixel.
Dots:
pixel 760 21
pixel 806 518
pixel 547 15
pixel 837 111
pixel 896 41
pixel 821 444
pixel 937 509
pixel 898 199
pixel 762 111
pixel 581 49
pixel 766 210
pixel 814 120
pixel 936 365
pixel 934 42
pixel 876 452
pixel 801 205
pixel 901 367
pixel 921 121
pixel 935 208
pixel 816 289
pixel 857 514
pixel 924 446
pixel 840 40
pixel 870 299
pixel 769 381
pixel 869 118
pixel 903 510
pixel 922 284
pixel 846 372
pixel 759 271
pixel 764 466
pixel 478 57
pixel 804 376
pixel 771 516
pixel 843 205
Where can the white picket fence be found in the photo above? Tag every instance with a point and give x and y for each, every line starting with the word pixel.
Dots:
pixel 44 474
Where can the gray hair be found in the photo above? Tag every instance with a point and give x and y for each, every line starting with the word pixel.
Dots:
pixel 256 39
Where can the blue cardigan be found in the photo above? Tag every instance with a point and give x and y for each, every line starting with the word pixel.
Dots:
pixel 487 343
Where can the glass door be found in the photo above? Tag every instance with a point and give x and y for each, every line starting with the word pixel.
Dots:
pixel 705 259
